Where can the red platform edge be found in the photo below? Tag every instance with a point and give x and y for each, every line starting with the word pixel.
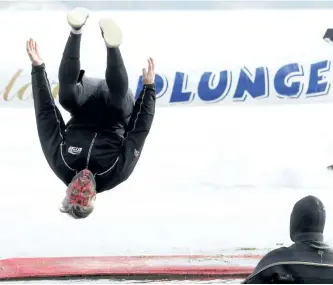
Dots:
pixel 175 265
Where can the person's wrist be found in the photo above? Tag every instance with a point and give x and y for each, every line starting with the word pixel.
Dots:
pixel 37 63
pixel 150 86
pixel 37 68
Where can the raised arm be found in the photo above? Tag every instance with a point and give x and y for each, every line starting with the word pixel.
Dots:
pixel 50 124
pixel 140 123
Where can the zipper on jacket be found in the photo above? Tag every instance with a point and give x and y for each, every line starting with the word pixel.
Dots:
pixel 90 149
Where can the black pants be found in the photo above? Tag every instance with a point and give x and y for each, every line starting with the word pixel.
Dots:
pixel 97 98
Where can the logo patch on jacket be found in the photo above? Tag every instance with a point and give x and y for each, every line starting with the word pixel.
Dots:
pixel 74 150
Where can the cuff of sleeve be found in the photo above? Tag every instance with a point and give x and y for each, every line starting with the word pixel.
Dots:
pixel 36 68
pixel 150 86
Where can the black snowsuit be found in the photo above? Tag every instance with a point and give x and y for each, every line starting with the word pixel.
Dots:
pixel 107 130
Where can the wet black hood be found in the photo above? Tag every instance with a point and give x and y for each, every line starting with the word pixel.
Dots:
pixel 307 220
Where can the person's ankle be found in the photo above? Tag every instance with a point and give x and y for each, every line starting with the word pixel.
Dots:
pixel 76 31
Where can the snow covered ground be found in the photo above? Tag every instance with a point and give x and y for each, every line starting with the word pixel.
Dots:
pixel 210 180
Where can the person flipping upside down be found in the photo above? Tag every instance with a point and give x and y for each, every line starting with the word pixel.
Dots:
pixel 101 144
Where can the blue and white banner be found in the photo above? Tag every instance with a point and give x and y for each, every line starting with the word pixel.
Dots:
pixel 226 57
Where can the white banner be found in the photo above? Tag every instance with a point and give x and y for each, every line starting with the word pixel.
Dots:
pixel 223 57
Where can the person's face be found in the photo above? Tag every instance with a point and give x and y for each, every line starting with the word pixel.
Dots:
pixel 82 190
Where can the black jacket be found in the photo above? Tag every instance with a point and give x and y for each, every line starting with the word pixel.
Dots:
pixel 303 262
pixel 110 152
pixel 308 260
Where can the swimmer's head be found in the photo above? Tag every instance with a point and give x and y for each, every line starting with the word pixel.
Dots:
pixel 307 220
pixel 80 195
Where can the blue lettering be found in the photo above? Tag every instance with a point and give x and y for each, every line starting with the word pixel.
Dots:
pixel 179 93
pixel 255 86
pixel 206 90
pixel 318 84
pixel 215 86
pixel 282 81
pixel 161 86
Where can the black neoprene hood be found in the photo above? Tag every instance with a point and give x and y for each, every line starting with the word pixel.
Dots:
pixel 307 220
